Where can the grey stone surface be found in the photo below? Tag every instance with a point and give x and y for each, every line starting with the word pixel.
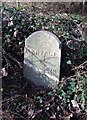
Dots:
pixel 42 55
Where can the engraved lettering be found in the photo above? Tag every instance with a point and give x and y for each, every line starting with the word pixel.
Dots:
pixel 54 71
pixel 45 54
pixel 41 53
pixel 54 54
pixel 49 53
pixel 37 52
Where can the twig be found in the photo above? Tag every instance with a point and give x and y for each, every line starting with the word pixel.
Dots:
pixel 12 98
pixel 15 113
pixel 80 66
pixel 9 56
pixel 76 75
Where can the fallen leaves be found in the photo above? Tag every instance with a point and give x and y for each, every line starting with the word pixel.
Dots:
pixel 3 72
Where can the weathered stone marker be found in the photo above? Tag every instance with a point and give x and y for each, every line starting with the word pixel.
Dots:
pixel 42 55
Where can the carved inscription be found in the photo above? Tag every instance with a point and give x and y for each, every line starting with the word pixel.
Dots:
pixel 52 72
pixel 37 53
pixel 41 53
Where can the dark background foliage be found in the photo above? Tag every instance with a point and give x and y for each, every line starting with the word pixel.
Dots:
pixel 21 98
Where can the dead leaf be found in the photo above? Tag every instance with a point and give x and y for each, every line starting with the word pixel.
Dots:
pixel 4 72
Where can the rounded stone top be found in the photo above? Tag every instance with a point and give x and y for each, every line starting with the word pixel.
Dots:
pixel 42 56
pixel 42 34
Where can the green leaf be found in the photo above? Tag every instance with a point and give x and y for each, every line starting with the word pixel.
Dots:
pixel 69 62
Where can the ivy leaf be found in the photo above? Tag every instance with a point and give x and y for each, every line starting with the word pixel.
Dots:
pixel 69 62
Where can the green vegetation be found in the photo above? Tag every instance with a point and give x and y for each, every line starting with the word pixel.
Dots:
pixel 23 100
